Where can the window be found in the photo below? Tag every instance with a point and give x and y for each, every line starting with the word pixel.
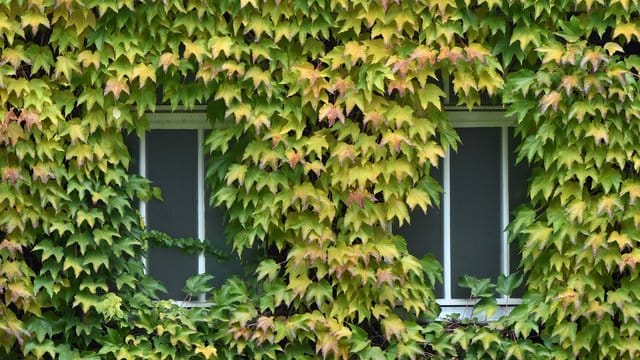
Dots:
pixel 172 156
pixel 482 186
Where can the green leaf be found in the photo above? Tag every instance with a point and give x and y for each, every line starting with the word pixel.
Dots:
pixel 480 288
pixel 319 293
pixel 268 269
pixel 65 66
pixel 198 284
pixel 86 301
pixel 48 250
pixel 507 284
pixel 430 94
pixel 487 305
pixel 96 259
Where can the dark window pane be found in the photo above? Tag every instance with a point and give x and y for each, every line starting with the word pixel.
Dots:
pixel 425 233
pixel 215 233
pixel 221 269
pixel 132 142
pixel 172 157
pixel 475 206
pixel 518 180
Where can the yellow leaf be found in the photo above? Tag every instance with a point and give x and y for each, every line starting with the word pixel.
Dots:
pixel 221 45
pixel 393 326
pixel 166 60
pixel 600 135
pixel 613 48
pixel 326 344
pixel 298 285
pixel 74 263
pixel 463 82
pixel 33 20
pixel 143 72
pixel 424 54
pixel 236 172
pixel 232 68
pixel 88 58
pixel 631 188
pixel 525 35
pixel 258 76
pixel 623 240
pixel 116 87
pixel 65 66
pixel 595 241
pixel 490 81
pixel 608 204
pixel 77 132
pixel 552 52
pixel 417 197
pixel 195 48
pixel 628 30
pixel 575 211
pixel 207 351
pixel 539 234
pixel 386 32
pixel 14 57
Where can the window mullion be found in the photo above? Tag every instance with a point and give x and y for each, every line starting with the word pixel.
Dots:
pixel 142 205
pixel 201 203
pixel 446 208
pixel 504 198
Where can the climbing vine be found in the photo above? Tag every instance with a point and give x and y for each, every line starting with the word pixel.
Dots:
pixel 333 120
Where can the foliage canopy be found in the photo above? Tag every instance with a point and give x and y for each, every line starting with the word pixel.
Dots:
pixel 334 119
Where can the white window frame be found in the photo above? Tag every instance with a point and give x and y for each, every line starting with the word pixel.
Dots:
pixel 485 118
pixel 491 117
pixel 180 121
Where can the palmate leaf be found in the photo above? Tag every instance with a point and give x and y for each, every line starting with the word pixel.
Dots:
pixel 143 72
pixel 486 338
pixel 430 94
pixel 96 259
pixel 76 264
pixel 208 351
pixel 299 285
pixel 48 250
pixel 505 285
pixel 628 30
pixel 198 284
pixel 487 306
pixel 319 293
pixel 418 197
pixel 480 288
pixel 393 328
pixel 39 349
pixel 359 66
pixel 86 301
pixel 267 269
pixel 65 66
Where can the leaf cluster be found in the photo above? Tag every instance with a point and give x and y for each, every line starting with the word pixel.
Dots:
pixel 328 119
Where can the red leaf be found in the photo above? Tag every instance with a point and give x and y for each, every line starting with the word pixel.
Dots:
pixel 359 196
pixel 11 174
pixel 552 100
pixel 331 112
pixel 30 119
pixel 116 87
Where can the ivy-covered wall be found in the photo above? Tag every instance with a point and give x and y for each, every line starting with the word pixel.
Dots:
pixel 334 119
